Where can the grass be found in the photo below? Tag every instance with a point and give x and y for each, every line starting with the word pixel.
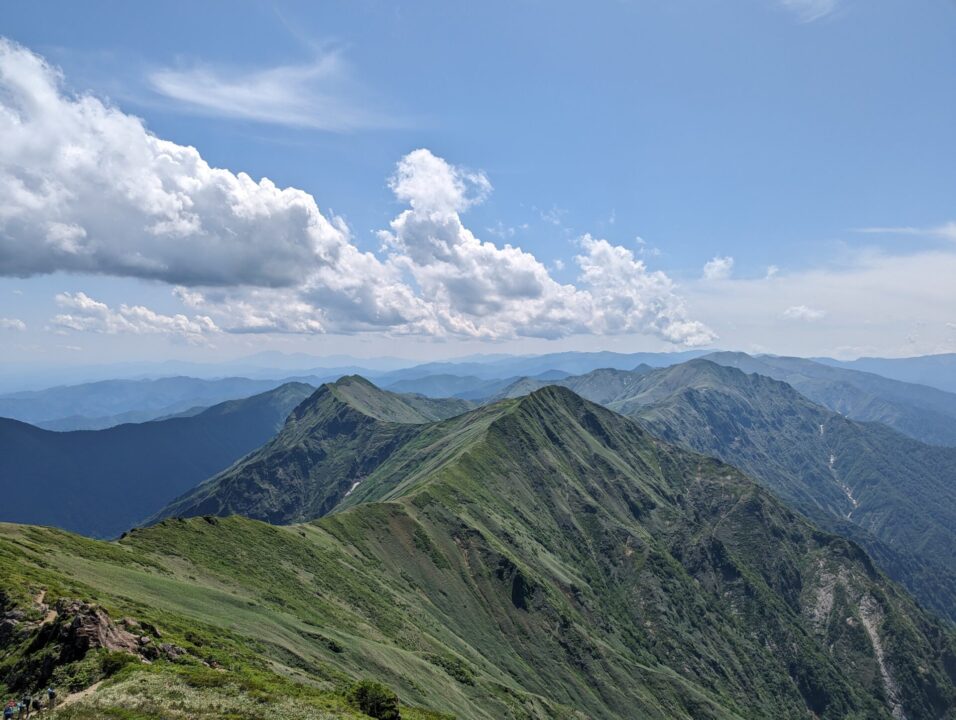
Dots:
pixel 542 560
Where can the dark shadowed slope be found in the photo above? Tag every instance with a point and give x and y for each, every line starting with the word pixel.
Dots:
pixel 101 482
pixel 924 413
pixel 538 558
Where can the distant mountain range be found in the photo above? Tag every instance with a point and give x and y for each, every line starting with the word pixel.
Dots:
pixel 922 412
pixel 101 482
pixel 892 494
pixel 94 406
pixel 937 371
pixel 539 558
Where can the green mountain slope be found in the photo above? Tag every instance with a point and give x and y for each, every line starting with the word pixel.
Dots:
pixel 864 481
pixel 101 482
pixel 329 445
pixel 537 558
pixel 924 413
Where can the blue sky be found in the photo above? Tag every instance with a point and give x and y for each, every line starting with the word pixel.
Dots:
pixel 772 133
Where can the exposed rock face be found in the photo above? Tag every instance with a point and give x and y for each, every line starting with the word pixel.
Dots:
pixel 66 633
pixel 84 627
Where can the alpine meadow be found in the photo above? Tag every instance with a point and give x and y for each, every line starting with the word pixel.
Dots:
pixel 499 361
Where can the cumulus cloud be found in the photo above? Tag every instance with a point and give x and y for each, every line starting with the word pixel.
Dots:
pixel 12 324
pixel 86 188
pixel 626 297
pixel 480 289
pixel 719 268
pixel 802 312
pixel 85 314
pixel 319 95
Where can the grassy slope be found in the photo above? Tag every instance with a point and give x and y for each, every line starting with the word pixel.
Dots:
pixel 330 442
pixel 890 493
pixel 921 412
pixel 102 482
pixel 531 557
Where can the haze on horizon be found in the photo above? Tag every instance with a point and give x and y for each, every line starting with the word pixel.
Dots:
pixel 621 177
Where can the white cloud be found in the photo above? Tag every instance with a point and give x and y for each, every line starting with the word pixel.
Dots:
pixel 946 231
pixel 84 314
pixel 802 312
pixel 810 10
pixel 85 188
pixel 772 271
pixel 627 297
pixel 719 268
pixel 320 95
pixel 12 324
pixel 873 299
pixel 554 216
pixel 479 289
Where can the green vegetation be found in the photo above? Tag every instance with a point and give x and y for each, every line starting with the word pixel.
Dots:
pixel 327 448
pixel 891 494
pixel 541 558
pixel 375 700
pixel 923 413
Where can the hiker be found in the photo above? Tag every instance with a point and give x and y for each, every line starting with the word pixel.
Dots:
pixel 8 710
pixel 51 694
pixel 25 704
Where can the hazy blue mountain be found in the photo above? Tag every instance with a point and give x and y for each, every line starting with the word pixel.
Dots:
pixel 922 412
pixel 101 482
pixel 937 371
pixel 467 387
pixel 574 363
pixel 110 402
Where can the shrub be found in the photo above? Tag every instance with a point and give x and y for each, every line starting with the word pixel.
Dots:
pixel 375 700
pixel 112 662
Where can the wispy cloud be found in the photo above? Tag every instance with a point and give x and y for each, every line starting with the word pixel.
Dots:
pixel 321 95
pixel 946 231
pixel 809 10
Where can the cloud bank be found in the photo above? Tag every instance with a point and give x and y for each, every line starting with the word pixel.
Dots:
pixel 86 188
pixel 86 314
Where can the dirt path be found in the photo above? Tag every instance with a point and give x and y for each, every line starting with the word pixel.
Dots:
pixel 50 613
pixel 70 699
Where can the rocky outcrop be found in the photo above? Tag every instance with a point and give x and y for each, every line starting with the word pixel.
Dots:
pixel 37 641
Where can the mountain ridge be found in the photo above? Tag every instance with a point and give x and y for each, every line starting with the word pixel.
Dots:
pixel 543 557
pixel 900 507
